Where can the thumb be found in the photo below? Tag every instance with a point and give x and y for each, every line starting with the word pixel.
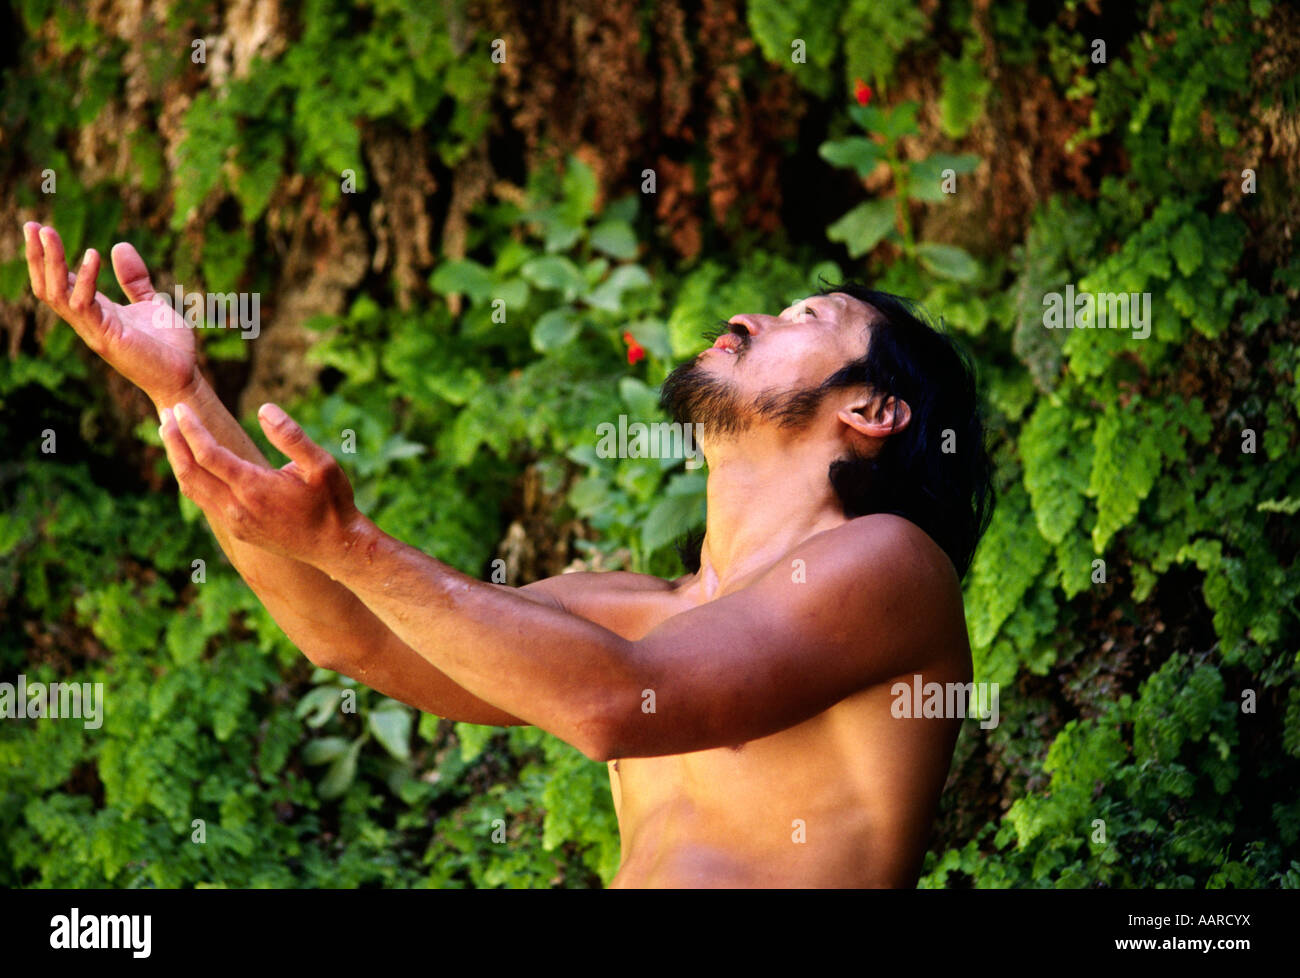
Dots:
pixel 131 273
pixel 287 435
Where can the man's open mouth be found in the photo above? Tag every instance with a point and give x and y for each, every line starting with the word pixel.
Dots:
pixel 733 341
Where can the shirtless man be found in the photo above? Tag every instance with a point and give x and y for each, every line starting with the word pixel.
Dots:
pixel 745 709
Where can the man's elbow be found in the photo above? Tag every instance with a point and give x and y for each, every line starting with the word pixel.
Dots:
pixel 596 745
pixel 327 657
pixel 597 735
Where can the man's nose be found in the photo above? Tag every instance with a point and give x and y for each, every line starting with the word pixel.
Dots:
pixel 754 322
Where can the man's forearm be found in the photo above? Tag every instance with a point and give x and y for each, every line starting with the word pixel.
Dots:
pixel 293 592
pixel 325 620
pixel 551 668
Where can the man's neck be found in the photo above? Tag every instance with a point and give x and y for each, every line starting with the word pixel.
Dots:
pixel 766 493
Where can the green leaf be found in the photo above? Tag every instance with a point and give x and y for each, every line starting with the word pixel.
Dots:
pixel 653 335
pixel 1128 447
pixel 671 517
pixel 555 272
pixel 1008 561
pixel 858 152
pixel 948 261
pixel 892 123
pixel 862 228
pixel 463 276
pixel 875 32
pixel 609 294
pixel 1057 456
pixel 555 329
pixel 642 401
pixel 474 738
pixel 1187 249
pixel 614 238
pixel 455 386
pixel 341 773
pixel 390 722
pixel 580 189
pixel 589 495
pixel 965 90
pixel 322 750
pixel 321 702
pixel 777 24
pixel 925 177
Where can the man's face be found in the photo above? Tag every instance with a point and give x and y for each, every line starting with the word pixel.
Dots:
pixel 769 367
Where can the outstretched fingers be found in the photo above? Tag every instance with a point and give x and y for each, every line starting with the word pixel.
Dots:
pixel 131 273
pixel 76 301
pixel 287 435
pixel 35 258
pixel 56 267
pixel 215 458
pixel 209 492
pixel 84 300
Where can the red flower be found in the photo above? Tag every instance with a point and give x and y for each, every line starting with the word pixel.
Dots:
pixel 862 92
pixel 635 351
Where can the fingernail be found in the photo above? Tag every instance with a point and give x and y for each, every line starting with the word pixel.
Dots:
pixel 165 416
pixel 181 412
pixel 85 259
pixel 272 413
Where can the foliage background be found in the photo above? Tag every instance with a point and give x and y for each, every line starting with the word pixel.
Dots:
pixel 523 181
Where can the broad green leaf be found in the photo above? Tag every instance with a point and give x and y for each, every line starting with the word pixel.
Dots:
pixel 321 703
pixel 580 189
pixel 948 261
pixel 465 276
pixel 341 773
pixel 555 272
pixel 614 238
pixel 609 294
pixel 671 517
pixel 653 335
pixel 1186 248
pixel 322 750
pixel 390 722
pixel 857 152
pixel 862 228
pixel 555 329
pixel 642 401
pixel 925 177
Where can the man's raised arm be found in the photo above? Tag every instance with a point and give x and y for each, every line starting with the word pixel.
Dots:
pixel 321 617
pixel 751 663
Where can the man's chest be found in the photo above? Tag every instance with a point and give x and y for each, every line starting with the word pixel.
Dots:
pixel 811 763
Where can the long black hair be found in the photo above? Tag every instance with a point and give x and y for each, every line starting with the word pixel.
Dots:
pixel 936 472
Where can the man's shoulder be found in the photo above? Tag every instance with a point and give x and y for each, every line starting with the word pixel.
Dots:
pixel 883 547
pixel 880 575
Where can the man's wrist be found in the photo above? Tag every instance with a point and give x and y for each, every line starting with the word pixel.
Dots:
pixel 353 550
pixel 191 393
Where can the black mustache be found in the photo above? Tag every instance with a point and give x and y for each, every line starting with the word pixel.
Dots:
pixel 722 328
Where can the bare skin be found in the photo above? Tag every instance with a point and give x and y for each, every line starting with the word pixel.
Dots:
pixel 744 711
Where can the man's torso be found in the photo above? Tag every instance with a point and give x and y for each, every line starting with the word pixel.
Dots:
pixel 845 798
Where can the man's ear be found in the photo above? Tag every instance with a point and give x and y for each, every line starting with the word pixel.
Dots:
pixel 877 419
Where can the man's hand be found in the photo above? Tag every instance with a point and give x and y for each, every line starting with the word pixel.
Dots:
pixel 304 510
pixel 296 511
pixel 147 342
